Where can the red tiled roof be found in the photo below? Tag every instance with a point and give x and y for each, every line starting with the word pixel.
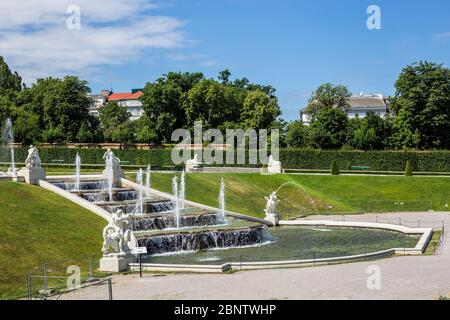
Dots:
pixel 125 96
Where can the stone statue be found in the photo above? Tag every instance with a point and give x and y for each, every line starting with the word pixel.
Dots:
pixel 274 166
pixel 116 235
pixel 110 157
pixel 33 160
pixel 193 164
pixel 271 209
pixel 272 202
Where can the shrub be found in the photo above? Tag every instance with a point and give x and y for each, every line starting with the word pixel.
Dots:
pixel 334 168
pixel 408 169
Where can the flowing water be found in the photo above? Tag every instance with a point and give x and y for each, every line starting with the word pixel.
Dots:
pixel 221 214
pixel 175 201
pixel 291 243
pixel 77 172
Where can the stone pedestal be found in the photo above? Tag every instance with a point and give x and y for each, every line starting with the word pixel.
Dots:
pixel 31 175
pixel 115 264
pixel 117 176
pixel 273 218
pixel 275 168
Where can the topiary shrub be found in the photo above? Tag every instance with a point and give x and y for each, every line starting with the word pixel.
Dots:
pixel 408 169
pixel 334 168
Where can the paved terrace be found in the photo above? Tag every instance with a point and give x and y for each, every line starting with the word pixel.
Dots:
pixel 413 277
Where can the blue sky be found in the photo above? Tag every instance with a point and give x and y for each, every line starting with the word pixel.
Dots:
pixel 293 45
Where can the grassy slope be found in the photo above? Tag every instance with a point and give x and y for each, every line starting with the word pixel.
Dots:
pixel 38 226
pixel 245 192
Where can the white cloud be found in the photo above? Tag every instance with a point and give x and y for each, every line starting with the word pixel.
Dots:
pixel 36 42
pixel 442 35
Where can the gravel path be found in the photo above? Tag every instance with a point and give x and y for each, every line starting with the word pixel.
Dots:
pixel 417 277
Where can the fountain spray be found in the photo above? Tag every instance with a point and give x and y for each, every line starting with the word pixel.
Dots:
pixel 8 136
pixel 140 181
pixel 77 171
pixel 110 178
pixel 175 201
pixel 147 182
pixel 221 217
pixel 182 190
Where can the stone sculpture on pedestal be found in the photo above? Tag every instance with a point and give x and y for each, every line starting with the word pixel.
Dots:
pixel 33 172
pixel 271 209
pixel 116 238
pixel 274 166
pixel 112 168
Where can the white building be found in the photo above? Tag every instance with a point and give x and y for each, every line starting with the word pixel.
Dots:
pixel 128 100
pixel 360 105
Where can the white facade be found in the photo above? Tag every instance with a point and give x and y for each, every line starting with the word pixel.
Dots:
pixel 360 106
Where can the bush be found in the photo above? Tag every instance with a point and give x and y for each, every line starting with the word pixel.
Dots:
pixel 430 161
pixel 334 169
pixel 408 169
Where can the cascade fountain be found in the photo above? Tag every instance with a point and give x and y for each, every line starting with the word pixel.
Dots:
pixel 8 139
pixel 77 171
pixel 221 214
pixel 140 181
pixel 147 182
pixel 182 190
pixel 109 177
pixel 175 201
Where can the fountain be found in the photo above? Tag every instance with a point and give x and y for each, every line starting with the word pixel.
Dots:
pixel 8 139
pixel 147 182
pixel 109 177
pixel 77 171
pixel 140 181
pixel 221 214
pixel 175 202
pixel 182 190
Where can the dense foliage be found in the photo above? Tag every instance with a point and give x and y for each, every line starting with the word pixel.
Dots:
pixel 429 161
pixel 57 111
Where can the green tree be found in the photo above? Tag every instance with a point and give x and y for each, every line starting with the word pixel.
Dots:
pixel 123 133
pixel 206 102
pixel 164 98
pixel 62 106
pixel 144 133
pixel 26 127
pixel 422 107
pixel 111 115
pixel 327 96
pixel 260 110
pixel 297 135
pixel 369 133
pixel 9 81
pixel 329 130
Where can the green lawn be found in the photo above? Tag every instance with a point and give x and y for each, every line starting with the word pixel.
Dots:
pixel 38 226
pixel 316 193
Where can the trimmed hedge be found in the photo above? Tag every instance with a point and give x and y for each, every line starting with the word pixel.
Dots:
pixel 430 161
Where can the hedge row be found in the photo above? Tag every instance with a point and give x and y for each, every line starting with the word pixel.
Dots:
pixel 433 161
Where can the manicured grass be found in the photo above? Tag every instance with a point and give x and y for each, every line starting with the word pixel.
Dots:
pixel 328 194
pixel 37 226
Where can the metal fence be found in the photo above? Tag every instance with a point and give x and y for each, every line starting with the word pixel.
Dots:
pixel 72 279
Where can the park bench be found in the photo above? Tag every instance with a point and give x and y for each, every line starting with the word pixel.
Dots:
pixel 56 161
pixel 360 168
